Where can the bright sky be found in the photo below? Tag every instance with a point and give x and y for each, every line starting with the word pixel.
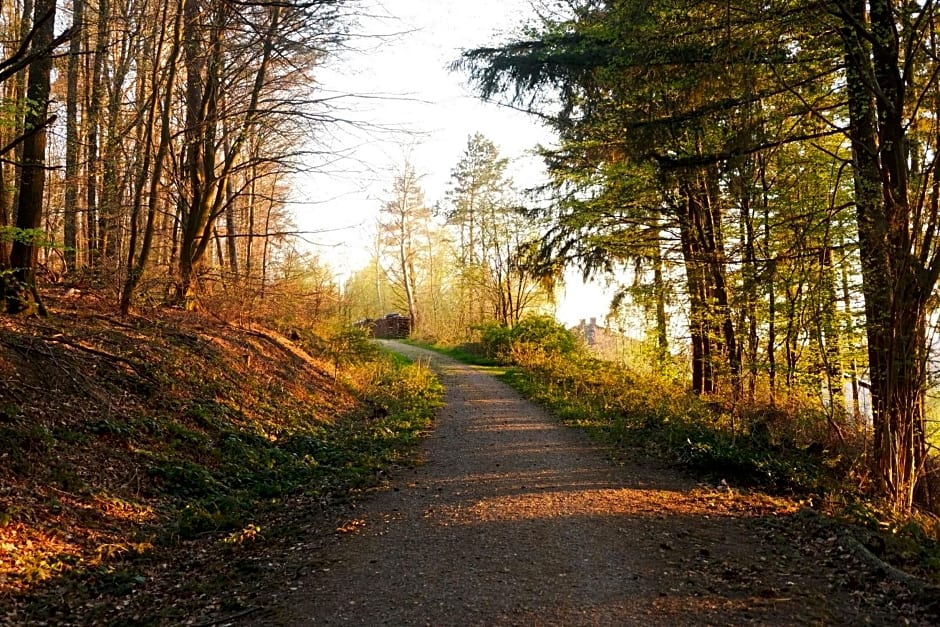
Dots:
pixel 415 108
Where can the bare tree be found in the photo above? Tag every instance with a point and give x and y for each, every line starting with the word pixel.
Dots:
pixel 400 229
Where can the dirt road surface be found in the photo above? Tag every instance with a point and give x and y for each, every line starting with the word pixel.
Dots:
pixel 517 520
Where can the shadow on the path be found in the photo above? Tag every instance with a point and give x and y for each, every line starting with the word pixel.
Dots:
pixel 517 520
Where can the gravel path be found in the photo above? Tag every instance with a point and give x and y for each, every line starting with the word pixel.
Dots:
pixel 517 520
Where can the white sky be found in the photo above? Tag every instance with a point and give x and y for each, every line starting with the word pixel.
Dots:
pixel 416 109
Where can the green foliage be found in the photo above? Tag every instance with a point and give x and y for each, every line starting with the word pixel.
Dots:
pixel 534 335
pixel 18 439
pixel 350 346
pixel 115 582
pixel 467 353
pixel 492 238
pixel 218 467
pixel 911 541
pixel 35 237
pixel 211 515
pixel 43 568
pixel 496 339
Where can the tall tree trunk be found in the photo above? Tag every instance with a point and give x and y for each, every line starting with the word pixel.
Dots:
pixel 771 279
pixel 27 21
pixel 110 214
pixel 710 232
pixel 72 147
pixel 5 214
pixel 791 337
pixel 207 179
pixel 92 123
pixel 659 293
pixel 20 288
pixel 896 285
pixel 136 268
pixel 703 376
pixel 748 315
pixel 231 229
pixel 199 159
pixel 406 264
pixel 853 366
pixel 710 315
pixel 828 338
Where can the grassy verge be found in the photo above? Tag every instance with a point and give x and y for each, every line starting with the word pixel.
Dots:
pixel 144 458
pixel 239 467
pixel 468 354
pixel 628 411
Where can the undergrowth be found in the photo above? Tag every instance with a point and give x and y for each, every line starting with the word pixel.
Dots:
pixel 126 443
pixel 631 411
pixel 326 459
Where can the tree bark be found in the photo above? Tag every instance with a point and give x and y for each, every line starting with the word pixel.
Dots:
pixel 20 287
pixel 93 115
pixel 136 268
pixel 895 283
pixel 72 147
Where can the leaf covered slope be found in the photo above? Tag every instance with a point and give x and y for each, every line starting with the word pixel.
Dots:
pixel 131 447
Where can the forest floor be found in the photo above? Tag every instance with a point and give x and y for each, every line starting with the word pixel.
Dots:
pixel 108 425
pixel 168 468
pixel 517 520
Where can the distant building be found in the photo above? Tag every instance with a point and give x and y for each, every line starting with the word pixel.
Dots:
pixel 605 343
pixel 598 339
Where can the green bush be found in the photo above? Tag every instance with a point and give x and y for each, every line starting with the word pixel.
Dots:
pixel 533 337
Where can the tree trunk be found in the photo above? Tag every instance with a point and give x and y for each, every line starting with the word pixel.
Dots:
pixel 896 285
pixel 72 147
pixel 93 115
pixel 853 366
pixel 20 286
pixel 709 231
pixel 136 268
pixel 703 378
pixel 659 289
pixel 408 280
pixel 828 338
pixel 27 23
pixel 5 217
pixel 791 338
pixel 206 177
pixel 710 315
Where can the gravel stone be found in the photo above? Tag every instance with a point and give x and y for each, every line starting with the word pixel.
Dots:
pixel 515 519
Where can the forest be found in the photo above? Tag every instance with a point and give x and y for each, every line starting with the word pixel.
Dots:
pixel 759 181
pixel 781 158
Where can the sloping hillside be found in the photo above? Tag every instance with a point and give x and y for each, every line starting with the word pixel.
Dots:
pixel 146 459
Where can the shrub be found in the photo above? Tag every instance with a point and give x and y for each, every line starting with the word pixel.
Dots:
pixel 530 339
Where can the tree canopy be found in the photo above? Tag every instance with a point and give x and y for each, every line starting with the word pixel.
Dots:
pixel 689 132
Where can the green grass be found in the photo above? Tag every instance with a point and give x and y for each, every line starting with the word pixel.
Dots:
pixel 218 472
pixel 468 354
